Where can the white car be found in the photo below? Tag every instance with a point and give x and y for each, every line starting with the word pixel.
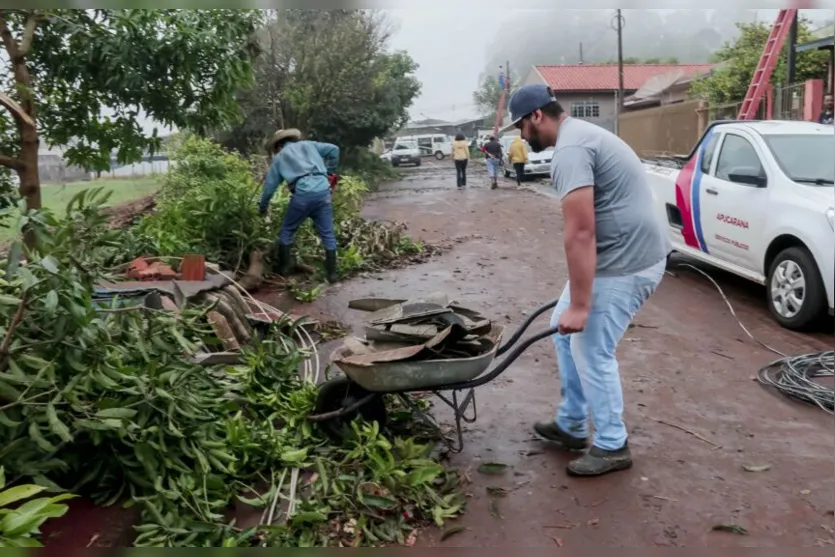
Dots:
pixel 757 199
pixel 539 164
pixel 403 152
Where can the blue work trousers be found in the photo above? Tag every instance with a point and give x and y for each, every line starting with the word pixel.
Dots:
pixel 317 206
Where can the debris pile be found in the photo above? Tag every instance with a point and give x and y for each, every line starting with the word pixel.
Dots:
pixel 234 315
pixel 429 328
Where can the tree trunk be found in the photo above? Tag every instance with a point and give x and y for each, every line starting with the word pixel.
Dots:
pixel 30 181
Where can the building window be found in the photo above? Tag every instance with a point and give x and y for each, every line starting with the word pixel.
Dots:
pixel 585 109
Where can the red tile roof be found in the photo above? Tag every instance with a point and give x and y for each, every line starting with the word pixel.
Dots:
pixel 604 77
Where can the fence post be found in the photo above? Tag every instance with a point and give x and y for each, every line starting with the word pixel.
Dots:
pixel 778 101
pixel 702 113
pixel 812 99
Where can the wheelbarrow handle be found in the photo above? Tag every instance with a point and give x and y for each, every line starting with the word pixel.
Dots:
pixel 525 324
pixel 516 352
pixel 506 361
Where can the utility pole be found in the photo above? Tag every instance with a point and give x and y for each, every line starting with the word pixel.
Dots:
pixel 620 58
pixel 507 77
pixel 581 53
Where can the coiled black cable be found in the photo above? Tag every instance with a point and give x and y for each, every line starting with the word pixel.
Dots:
pixel 796 377
pixel 793 376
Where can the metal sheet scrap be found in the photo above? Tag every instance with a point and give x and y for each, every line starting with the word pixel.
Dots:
pixel 427 328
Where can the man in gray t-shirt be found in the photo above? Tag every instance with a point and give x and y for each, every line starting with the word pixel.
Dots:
pixel 616 253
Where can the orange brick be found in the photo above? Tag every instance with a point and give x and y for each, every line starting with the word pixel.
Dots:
pixel 136 267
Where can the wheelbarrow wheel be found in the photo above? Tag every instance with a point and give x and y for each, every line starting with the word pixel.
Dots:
pixel 340 393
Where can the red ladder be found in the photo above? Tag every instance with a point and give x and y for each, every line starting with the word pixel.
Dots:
pixel 768 61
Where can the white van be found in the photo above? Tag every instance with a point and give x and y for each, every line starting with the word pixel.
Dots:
pixel 437 145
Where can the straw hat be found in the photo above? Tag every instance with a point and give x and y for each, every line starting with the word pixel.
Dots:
pixel 281 135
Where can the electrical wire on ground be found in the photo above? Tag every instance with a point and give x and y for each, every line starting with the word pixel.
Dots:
pixel 793 376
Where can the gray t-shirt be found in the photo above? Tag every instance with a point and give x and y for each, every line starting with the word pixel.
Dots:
pixel 629 235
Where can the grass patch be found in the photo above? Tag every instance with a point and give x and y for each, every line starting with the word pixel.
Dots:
pixel 56 196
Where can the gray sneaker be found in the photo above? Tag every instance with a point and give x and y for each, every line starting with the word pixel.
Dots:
pixel 597 462
pixel 564 440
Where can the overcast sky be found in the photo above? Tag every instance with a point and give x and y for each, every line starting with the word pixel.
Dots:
pixel 449 42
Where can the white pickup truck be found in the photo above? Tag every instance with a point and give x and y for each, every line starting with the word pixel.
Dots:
pixel 757 199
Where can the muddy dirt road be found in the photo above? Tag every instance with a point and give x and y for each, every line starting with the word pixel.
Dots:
pixel 686 363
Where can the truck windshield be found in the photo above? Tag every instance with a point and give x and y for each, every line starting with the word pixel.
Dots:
pixel 806 159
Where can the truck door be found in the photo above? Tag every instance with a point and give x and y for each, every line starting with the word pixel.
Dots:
pixel 425 145
pixel 734 200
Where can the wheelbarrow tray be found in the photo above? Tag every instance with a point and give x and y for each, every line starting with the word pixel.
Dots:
pixel 416 375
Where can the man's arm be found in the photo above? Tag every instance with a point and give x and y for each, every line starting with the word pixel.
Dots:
pixel 330 154
pixel 574 180
pixel 271 183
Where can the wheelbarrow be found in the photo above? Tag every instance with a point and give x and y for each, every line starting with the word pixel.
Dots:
pixel 360 392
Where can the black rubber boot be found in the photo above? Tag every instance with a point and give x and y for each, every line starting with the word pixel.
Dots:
pixel 597 462
pixel 495 184
pixel 561 438
pixel 330 266
pixel 284 260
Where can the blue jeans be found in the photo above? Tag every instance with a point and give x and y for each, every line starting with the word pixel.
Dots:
pixel 493 167
pixel 319 208
pixel 589 377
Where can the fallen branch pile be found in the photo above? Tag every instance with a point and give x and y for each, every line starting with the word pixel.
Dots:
pixel 101 400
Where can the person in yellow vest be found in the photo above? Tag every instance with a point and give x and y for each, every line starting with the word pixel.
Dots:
pixel 461 155
pixel 518 156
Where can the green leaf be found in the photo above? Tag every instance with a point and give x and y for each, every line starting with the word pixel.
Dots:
pixel 120 413
pixel 19 493
pixel 7 392
pixel 50 264
pixel 307 518
pixel 424 475
pixel 28 278
pixel 51 302
pixel 294 457
pixel 27 518
pixel 731 528
pixel 7 300
pixel 15 255
pixel 38 438
pixel 56 425
pixel 492 468
pixel 378 502
pixel 497 491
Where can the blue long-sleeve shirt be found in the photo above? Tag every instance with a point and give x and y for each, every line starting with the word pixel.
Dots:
pixel 305 165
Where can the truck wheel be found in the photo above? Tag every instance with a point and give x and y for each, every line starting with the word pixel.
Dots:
pixel 506 172
pixel 795 291
pixel 417 163
pixel 439 155
pixel 395 164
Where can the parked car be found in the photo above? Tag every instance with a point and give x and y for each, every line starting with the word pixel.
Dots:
pixel 436 145
pixel 756 199
pixel 539 164
pixel 403 152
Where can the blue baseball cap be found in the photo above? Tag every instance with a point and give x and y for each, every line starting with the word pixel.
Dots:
pixel 529 98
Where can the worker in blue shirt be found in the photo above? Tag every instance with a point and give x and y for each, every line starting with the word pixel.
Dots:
pixel 309 168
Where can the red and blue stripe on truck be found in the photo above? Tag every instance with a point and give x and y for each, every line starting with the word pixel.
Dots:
pixel 688 192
